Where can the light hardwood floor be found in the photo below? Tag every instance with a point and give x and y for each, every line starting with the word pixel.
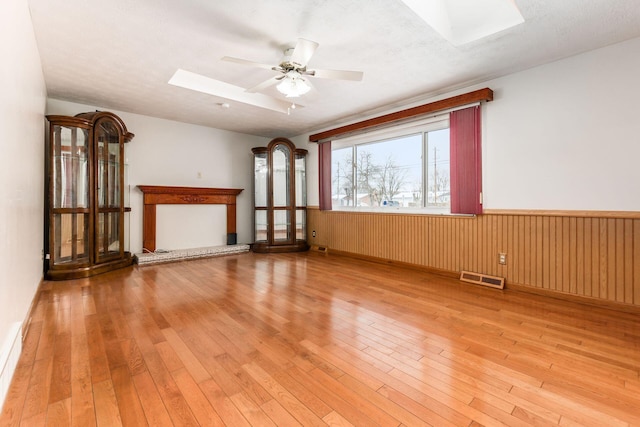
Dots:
pixel 315 339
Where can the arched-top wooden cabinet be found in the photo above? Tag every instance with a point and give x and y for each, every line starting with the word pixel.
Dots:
pixel 85 222
pixel 280 197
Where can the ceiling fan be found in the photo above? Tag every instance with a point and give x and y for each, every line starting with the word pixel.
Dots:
pixel 292 79
pixel 293 69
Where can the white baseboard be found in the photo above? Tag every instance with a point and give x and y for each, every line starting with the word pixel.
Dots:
pixel 9 355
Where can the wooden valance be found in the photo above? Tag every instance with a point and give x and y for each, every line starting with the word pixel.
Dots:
pixel 165 195
pixel 485 94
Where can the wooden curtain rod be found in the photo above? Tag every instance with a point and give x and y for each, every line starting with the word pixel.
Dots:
pixel 485 94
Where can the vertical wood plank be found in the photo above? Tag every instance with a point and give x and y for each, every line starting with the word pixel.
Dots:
pixel 620 259
pixel 475 247
pixel 587 278
pixel 433 247
pixel 573 256
pixel 419 221
pixel 559 254
pixel 553 265
pixel 595 257
pixel 611 259
pixel 526 250
pixel 546 252
pixel 494 235
pixel 446 244
pixel 539 265
pixel 636 261
pixel 483 240
pixel 604 274
pixel 511 251
pixel 566 255
pixel 579 278
pixel 437 253
pixel 455 261
pixel 449 245
pixel 628 261
pixel 517 250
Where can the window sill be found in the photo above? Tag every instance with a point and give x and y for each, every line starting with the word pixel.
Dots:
pixel 400 211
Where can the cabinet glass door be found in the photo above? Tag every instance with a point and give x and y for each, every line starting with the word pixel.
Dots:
pixel 301 196
pixel 109 194
pixel 260 190
pixel 260 171
pixel 69 224
pixel 281 160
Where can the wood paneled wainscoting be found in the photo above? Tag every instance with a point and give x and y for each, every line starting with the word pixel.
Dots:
pixel 594 255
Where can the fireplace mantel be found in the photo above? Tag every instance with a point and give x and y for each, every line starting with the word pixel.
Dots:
pixel 166 195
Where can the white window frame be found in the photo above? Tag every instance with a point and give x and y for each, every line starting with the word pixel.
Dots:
pixel 433 123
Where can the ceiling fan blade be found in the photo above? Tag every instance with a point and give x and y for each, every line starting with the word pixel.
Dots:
pixel 246 62
pixel 200 83
pixel 337 74
pixel 265 84
pixel 303 51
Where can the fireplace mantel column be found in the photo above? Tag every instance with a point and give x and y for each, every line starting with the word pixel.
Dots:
pixel 163 195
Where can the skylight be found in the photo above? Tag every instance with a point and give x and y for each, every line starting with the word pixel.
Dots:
pixel 464 21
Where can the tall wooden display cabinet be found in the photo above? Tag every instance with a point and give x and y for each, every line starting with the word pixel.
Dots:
pixel 85 170
pixel 280 197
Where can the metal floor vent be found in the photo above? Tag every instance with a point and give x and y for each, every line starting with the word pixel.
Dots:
pixel 482 279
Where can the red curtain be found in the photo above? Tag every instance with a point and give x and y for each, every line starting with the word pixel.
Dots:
pixel 324 168
pixel 466 161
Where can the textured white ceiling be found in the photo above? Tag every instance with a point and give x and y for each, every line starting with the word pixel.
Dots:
pixel 120 54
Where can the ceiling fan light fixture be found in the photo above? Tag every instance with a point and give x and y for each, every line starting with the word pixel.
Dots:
pixel 293 85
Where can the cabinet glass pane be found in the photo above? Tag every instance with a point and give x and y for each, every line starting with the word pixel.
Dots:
pixel 260 173
pixel 301 181
pixel 71 241
pixel 301 224
pixel 108 234
pixel 281 159
pixel 70 168
pixel 281 225
pixel 261 226
pixel 108 173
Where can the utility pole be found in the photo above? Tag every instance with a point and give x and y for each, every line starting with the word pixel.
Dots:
pixel 338 182
pixel 435 175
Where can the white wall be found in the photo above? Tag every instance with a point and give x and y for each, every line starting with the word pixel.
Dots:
pixel 566 135
pixel 165 152
pixel 563 136
pixel 22 104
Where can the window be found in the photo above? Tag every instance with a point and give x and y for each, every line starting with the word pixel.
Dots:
pixel 404 168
